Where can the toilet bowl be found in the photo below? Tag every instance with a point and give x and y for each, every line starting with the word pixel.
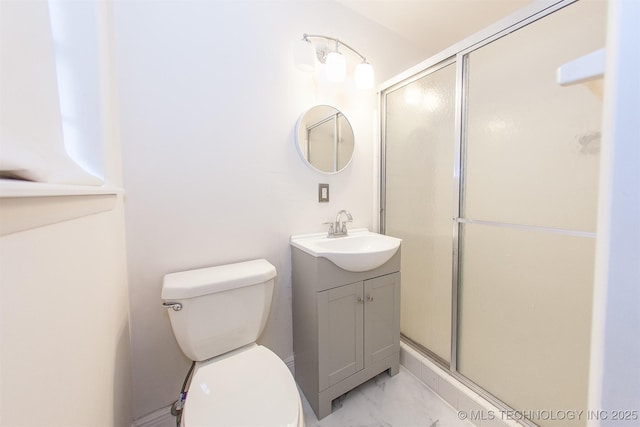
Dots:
pixel 217 314
pixel 249 387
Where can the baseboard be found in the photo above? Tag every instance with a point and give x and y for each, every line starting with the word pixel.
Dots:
pixel 289 361
pixel 159 418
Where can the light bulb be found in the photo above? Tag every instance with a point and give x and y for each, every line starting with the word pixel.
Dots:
pixel 335 67
pixel 364 75
pixel 304 55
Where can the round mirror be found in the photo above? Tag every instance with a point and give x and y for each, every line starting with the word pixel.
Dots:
pixel 324 139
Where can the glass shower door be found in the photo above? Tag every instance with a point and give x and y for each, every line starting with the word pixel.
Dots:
pixel 527 233
pixel 419 153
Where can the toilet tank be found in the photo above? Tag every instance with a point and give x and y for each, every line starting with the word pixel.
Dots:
pixel 223 307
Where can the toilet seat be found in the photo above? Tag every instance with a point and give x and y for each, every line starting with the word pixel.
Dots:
pixel 247 387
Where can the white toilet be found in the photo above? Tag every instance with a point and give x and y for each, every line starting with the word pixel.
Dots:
pixel 217 314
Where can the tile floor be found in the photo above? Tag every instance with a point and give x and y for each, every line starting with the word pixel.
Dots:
pixel 399 401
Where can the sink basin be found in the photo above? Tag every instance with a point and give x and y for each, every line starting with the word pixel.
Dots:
pixel 361 250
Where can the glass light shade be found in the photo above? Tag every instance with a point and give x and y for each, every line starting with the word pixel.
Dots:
pixel 364 76
pixel 335 67
pixel 304 55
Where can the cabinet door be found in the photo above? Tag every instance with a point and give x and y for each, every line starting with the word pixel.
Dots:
pixel 381 317
pixel 340 333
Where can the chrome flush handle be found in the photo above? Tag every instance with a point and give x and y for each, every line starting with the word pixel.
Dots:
pixel 175 306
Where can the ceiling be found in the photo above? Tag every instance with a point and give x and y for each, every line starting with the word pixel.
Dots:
pixel 433 25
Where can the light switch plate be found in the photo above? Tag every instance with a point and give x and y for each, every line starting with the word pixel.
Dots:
pixel 323 193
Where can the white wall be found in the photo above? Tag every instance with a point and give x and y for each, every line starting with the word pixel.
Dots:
pixel 64 339
pixel 209 97
pixel 64 325
pixel 615 346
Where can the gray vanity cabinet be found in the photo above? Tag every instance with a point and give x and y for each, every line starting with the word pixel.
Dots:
pixel 346 326
pixel 340 333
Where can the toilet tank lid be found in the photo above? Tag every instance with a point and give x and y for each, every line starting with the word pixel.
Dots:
pixel 193 283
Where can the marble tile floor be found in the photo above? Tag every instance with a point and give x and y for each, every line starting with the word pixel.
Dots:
pixel 383 401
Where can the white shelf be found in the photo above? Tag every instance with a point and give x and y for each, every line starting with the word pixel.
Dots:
pixel 18 188
pixel 587 67
pixel 25 205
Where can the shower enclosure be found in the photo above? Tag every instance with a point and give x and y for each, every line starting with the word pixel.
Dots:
pixel 490 176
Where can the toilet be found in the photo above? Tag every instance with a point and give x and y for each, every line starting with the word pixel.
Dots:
pixel 217 314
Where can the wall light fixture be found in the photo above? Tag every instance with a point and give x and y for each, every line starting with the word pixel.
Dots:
pixel 305 55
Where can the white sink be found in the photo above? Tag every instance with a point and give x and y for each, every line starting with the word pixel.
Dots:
pixel 361 250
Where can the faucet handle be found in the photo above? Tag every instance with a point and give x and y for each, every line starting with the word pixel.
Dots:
pixel 331 231
pixel 343 226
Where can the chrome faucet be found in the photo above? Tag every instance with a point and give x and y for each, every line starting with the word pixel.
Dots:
pixel 339 228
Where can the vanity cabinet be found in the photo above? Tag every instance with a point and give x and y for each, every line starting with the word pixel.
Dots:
pixel 346 326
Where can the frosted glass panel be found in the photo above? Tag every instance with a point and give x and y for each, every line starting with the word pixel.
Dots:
pixel 531 159
pixel 533 146
pixel 420 144
pixel 525 316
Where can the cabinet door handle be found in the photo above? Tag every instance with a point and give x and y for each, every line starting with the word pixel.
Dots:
pixel 369 297
pixel 360 300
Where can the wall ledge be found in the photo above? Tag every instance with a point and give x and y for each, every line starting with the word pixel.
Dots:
pixel 25 205
pixel 19 188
